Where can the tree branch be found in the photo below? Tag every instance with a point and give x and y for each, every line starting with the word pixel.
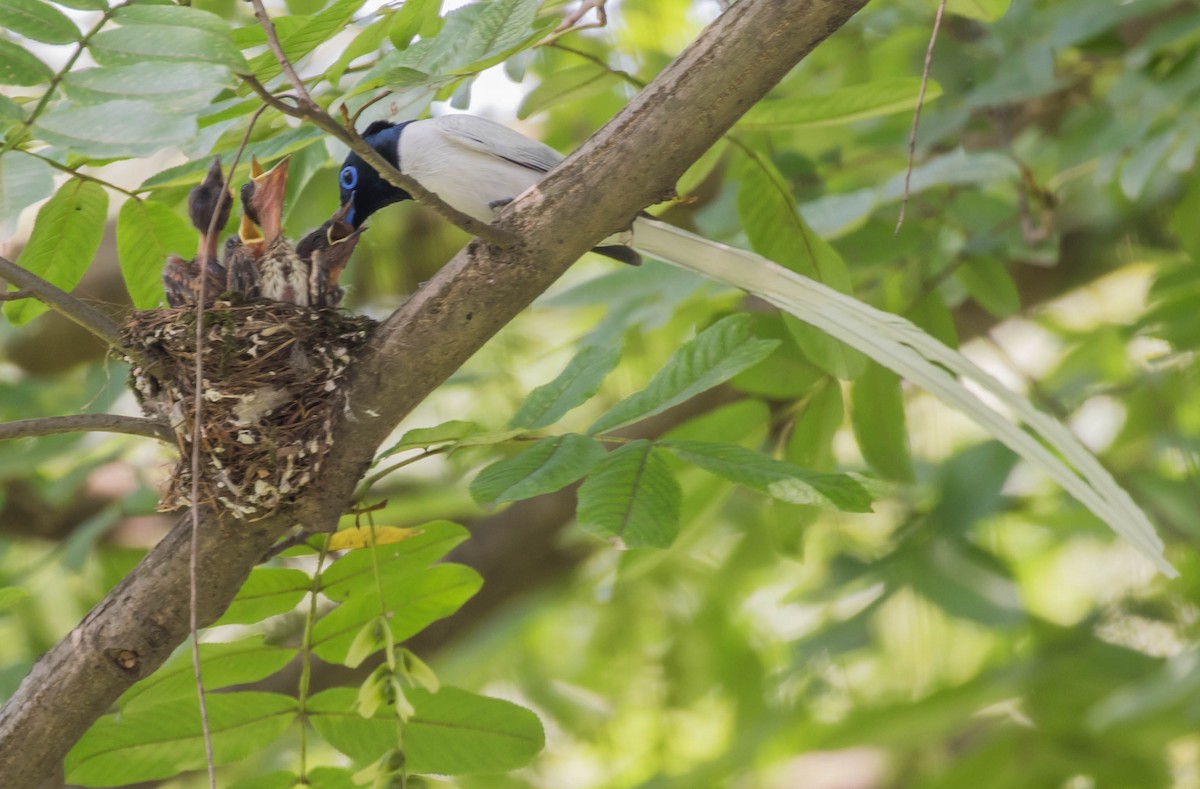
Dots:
pixel 87 423
pixel 67 305
pixel 629 164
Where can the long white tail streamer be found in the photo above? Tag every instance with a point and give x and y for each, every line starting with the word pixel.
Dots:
pixel 899 345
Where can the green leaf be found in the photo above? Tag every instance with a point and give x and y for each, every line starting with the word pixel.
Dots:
pixel 354 573
pixel 714 356
pixel 24 180
pixel 65 238
pixel 854 103
pixel 312 32
pixel 273 147
pixel 10 596
pixel 276 780
pixel 84 5
pixel 121 128
pixel 136 43
pixel 452 732
pixel 185 87
pixel 171 16
pixel 574 386
pixel 163 740
pixel 455 732
pixel 810 444
pixel 776 231
pixel 572 84
pixel 414 601
pixel 983 10
pixel 877 413
pixel 38 21
pixel 500 25
pixel 632 496
pixel 269 591
pixel 415 18
pixel 990 284
pixel 366 42
pixel 147 231
pixel 547 466
pixel 773 477
pixel 332 778
pixel 18 67
pixel 222 664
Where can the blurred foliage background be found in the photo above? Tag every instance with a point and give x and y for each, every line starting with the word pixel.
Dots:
pixel 979 628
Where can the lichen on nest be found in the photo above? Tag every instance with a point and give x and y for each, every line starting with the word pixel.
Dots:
pixel 274 378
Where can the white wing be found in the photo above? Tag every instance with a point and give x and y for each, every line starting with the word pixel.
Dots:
pixel 492 138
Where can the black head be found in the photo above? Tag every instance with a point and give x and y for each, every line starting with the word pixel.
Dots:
pixel 359 182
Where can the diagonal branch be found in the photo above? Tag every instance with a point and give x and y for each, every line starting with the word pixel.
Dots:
pixel 629 164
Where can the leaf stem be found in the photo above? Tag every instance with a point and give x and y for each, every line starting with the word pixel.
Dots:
pixel 81 175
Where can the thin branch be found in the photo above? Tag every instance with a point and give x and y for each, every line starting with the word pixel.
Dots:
pixel 87 423
pixel 324 121
pixel 912 135
pixel 69 307
pixel 260 12
pixel 80 175
pixel 17 295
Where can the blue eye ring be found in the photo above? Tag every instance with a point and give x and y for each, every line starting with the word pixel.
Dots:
pixel 349 177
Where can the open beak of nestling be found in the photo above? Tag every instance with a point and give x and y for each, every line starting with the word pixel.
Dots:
pixel 264 198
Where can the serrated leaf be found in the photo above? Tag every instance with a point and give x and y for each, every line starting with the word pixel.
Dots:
pixel 18 67
pixel 712 357
pixel 124 46
pixel 877 413
pixel 854 103
pixel 24 180
pixel 354 573
pixel 572 84
pixel 547 466
pixel 65 238
pixel 147 231
pixel 185 87
pixel 121 128
pixel 164 740
pixel 365 536
pixel 38 21
pixel 269 591
pixel 574 386
pixel 775 478
pixel 222 665
pixel 776 231
pixel 451 732
pixel 10 596
pixel 633 496
pixel 990 284
pixel 172 16
pixel 413 601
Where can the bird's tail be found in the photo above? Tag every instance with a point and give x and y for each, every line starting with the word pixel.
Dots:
pixel 902 347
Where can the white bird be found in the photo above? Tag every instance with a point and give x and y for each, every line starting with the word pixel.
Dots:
pixel 477 166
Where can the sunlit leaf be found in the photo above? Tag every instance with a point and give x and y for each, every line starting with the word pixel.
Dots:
pixel 172 16
pixel 147 231
pixel 306 37
pixel 65 238
pixel 38 21
pixel 773 477
pixel 131 44
pixel 632 496
pixel 714 356
pixel 354 573
pixel 545 467
pixel 10 596
pixel 269 591
pixel 880 97
pixel 365 536
pixel 984 10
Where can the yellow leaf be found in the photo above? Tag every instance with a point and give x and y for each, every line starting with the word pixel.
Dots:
pixel 361 537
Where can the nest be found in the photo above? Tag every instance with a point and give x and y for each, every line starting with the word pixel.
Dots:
pixel 273 386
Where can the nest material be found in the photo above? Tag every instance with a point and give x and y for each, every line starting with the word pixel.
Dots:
pixel 273 385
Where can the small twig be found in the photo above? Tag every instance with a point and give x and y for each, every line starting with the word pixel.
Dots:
pixel 349 137
pixel 87 423
pixel 912 135
pixel 365 486
pixel 260 12
pixel 197 430
pixel 571 19
pixel 352 121
pixel 80 175
pixel 17 295
pixel 624 75
pixel 68 306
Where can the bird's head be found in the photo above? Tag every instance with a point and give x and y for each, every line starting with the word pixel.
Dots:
pixel 262 201
pixel 361 186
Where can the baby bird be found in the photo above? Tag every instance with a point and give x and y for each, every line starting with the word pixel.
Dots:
pixel 281 274
pixel 327 250
pixel 181 278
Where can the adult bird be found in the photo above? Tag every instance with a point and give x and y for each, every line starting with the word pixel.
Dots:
pixel 478 166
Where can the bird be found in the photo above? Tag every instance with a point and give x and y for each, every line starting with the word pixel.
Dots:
pixel 280 273
pixel 181 278
pixel 477 166
pixel 327 250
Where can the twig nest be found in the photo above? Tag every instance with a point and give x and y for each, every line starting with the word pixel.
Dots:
pixel 273 384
